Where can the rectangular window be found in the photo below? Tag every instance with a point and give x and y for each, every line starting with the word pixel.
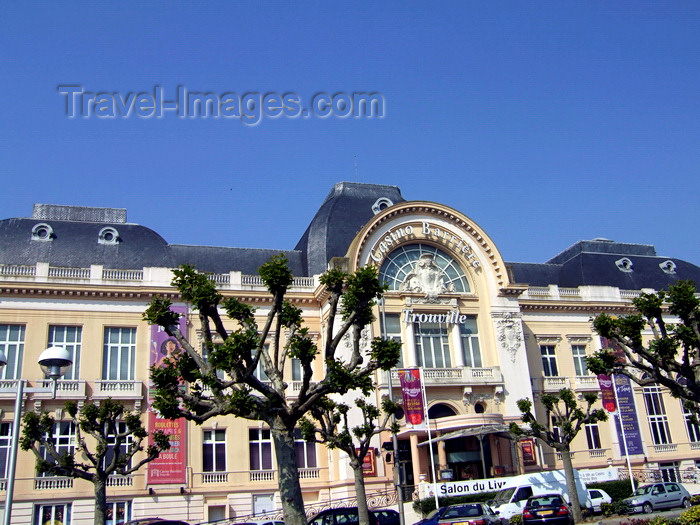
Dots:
pixel 260 445
pixel 296 369
pixel 306 452
pixel 579 354
pixel 64 440
pixel 118 512
pixel 52 514
pixel 214 451
pixel 658 421
pixel 119 354
pixel 12 343
pixel 669 472
pixel 690 424
pixel 432 345
pixel 220 374
pixel 556 433
pixel 593 437
pixel 5 445
pixel 124 446
pixel 392 330
pixel 549 360
pixel 69 338
pixel 470 343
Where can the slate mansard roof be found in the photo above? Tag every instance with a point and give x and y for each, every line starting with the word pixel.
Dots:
pixel 78 237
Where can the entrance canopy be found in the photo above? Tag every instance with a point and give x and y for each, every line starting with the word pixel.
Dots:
pixel 479 432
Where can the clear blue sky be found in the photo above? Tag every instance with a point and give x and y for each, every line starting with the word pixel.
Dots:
pixel 545 122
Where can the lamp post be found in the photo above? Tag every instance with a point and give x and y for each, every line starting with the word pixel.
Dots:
pixel 54 361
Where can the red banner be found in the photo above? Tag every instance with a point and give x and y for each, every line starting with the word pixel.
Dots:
pixel 607 392
pixel 369 463
pixel 412 393
pixel 170 466
pixel 528 449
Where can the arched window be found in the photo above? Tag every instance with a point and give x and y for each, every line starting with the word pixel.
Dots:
pixel 440 410
pixel 423 268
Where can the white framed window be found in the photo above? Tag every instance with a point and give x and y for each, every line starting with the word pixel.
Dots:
pixel 12 343
pixel 670 473
pixel 123 446
pixel 593 437
pixel 118 512
pixel 432 345
pixel 391 328
pixel 690 424
pixel 400 265
pixel 658 420
pixel 471 351
pixel 549 360
pixel 5 447
pixel 52 514
pixel 214 451
pixel 64 441
pixel 70 339
pixel 579 354
pixel 297 373
pixel 119 353
pixel 306 452
pixel 260 447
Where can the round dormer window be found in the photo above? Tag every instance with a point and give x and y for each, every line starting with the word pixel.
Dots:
pixel 42 232
pixel 108 236
pixel 381 204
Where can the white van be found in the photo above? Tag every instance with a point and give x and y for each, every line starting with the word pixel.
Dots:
pixel 511 499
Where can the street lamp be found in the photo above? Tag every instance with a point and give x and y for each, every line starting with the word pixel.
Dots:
pixel 55 362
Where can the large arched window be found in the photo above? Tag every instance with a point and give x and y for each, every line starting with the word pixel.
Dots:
pixel 422 268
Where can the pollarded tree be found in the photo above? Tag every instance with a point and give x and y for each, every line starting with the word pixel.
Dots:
pixel 564 420
pixel 671 357
pixel 332 428
pixel 199 388
pixel 117 437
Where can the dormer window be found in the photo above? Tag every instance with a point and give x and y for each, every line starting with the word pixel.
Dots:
pixel 381 204
pixel 624 265
pixel 668 267
pixel 42 232
pixel 108 236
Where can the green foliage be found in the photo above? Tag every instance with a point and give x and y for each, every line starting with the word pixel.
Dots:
pixel 671 358
pixel 196 288
pixel 276 275
pixel 516 519
pixel 618 489
pixel 363 287
pixel 690 516
pixel 158 312
pixel 607 509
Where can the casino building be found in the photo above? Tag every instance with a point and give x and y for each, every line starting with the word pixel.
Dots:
pixel 484 333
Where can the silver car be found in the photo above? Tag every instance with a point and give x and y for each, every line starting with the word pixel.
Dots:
pixel 648 498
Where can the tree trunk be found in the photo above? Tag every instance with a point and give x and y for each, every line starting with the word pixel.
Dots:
pixel 362 510
pixel 571 485
pixel 100 499
pixel 288 472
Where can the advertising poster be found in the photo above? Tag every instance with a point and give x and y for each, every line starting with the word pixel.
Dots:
pixel 627 414
pixel 412 393
pixel 170 466
pixel 607 393
pixel 527 446
pixel 369 463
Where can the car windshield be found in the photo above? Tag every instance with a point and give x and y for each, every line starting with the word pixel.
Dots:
pixel 643 490
pixel 503 496
pixel 462 511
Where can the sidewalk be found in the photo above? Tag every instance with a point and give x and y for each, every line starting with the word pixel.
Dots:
pixel 615 520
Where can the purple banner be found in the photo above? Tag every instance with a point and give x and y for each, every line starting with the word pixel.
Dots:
pixel 626 407
pixel 170 466
pixel 607 392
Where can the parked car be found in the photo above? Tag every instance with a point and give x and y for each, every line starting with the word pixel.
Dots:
pixel 387 516
pixel 547 509
pixel 340 516
pixel 469 514
pixel 433 517
pixel 155 521
pixel 598 496
pixel 262 522
pixel 648 498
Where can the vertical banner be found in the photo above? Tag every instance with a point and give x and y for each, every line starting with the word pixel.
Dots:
pixel 607 393
pixel 412 393
pixel 170 466
pixel 631 438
